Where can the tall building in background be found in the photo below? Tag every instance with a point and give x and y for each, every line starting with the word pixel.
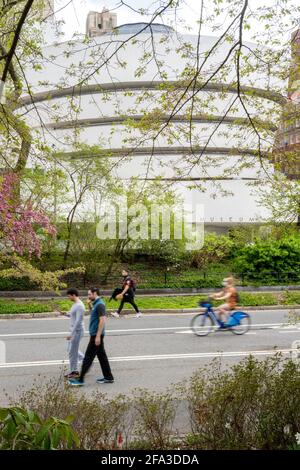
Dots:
pixel 287 144
pixel 99 23
pixel 294 80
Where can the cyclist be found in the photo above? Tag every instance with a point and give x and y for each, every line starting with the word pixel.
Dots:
pixel 230 295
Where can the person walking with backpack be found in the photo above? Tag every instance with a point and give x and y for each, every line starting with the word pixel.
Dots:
pixel 96 343
pixel 127 295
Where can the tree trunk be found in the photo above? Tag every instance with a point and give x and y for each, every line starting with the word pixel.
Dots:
pixel 115 256
pixel 67 249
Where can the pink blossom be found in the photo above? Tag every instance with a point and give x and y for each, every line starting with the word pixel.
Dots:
pixel 19 222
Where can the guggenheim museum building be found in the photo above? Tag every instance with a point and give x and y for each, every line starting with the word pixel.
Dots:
pixel 96 90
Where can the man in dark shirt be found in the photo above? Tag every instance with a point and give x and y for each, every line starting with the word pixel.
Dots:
pixel 127 295
pixel 96 344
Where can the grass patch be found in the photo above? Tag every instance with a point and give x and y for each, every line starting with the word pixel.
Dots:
pixel 12 306
pixel 292 298
pixel 155 302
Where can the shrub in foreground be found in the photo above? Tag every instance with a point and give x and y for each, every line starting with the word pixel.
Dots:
pixel 255 404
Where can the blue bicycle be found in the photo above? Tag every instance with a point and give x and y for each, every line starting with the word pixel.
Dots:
pixel 206 322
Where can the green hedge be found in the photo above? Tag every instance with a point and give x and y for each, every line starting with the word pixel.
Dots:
pixel 16 284
pixel 270 260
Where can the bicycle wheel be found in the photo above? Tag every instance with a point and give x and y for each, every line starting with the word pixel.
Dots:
pixel 243 326
pixel 202 324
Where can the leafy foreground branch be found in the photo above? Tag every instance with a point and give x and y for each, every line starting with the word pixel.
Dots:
pixel 253 405
pixel 24 430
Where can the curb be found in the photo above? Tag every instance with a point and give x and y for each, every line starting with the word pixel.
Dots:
pixel 23 316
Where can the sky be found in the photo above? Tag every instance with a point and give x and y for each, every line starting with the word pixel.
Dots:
pixel 74 13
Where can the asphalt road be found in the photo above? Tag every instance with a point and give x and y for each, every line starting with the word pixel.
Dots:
pixel 151 352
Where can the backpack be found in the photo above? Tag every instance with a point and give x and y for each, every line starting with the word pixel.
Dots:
pixel 114 294
pixel 133 285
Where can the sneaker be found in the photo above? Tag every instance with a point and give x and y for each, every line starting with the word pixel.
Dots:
pixel 115 314
pixel 75 383
pixel 72 375
pixel 139 314
pixel 103 380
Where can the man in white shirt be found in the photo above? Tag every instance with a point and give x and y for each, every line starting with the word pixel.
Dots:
pixel 76 315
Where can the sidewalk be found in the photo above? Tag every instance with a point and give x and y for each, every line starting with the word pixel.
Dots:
pixel 21 316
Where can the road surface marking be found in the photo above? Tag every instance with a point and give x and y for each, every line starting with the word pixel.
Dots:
pixel 132 316
pixel 107 331
pixel 290 331
pixel 129 330
pixel 14 365
pixel 190 332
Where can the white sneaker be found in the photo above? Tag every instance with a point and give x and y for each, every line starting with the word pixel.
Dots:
pixel 139 314
pixel 115 314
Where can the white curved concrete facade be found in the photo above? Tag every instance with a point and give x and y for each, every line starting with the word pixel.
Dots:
pixel 107 100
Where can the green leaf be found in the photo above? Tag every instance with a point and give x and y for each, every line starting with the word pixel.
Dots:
pixel 55 438
pixel 69 419
pixel 4 412
pixel 41 434
pixel 10 429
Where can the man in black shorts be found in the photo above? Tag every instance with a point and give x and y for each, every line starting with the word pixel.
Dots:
pixel 127 295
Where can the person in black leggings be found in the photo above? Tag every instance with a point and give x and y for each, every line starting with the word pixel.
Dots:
pixel 127 295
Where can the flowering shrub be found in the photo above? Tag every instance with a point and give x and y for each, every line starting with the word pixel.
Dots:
pixel 19 222
pixel 20 227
